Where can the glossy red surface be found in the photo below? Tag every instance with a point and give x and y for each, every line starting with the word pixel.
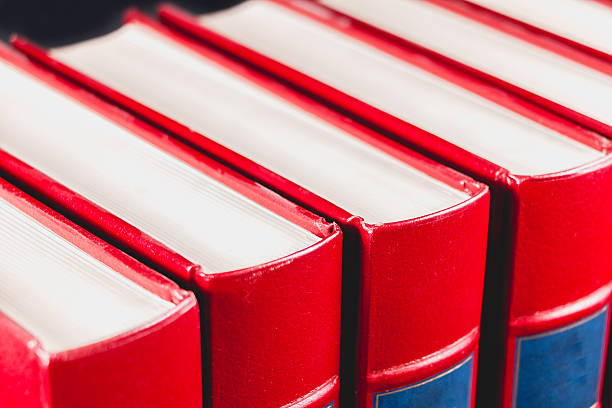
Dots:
pixel 420 278
pixel 22 368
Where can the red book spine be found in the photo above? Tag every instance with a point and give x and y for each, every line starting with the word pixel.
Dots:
pixel 419 282
pixel 274 329
pixel 157 364
pixel 271 332
pixel 420 303
pixel 559 284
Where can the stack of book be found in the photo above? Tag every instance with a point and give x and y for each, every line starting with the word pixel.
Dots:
pixel 290 204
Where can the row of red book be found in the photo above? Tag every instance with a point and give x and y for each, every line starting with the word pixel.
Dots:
pixel 293 204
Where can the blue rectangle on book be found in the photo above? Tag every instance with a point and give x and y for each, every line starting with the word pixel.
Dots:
pixel 449 389
pixel 562 367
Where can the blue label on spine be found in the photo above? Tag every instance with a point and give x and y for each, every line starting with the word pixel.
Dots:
pixel 330 405
pixel 449 389
pixel 561 368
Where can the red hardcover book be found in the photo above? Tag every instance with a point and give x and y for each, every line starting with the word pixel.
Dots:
pixel 583 25
pixel 266 272
pixel 546 302
pixel 413 272
pixel 84 325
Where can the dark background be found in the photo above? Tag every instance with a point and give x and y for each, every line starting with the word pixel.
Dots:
pixel 58 22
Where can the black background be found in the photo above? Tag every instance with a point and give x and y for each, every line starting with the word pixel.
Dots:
pixel 58 22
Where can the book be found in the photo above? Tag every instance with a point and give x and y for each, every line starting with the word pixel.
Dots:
pixel 414 230
pixel 585 25
pixel 266 272
pixel 84 325
pixel 545 174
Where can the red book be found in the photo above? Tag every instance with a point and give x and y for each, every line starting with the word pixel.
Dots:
pixel 414 230
pixel 545 174
pixel 266 272
pixel 84 325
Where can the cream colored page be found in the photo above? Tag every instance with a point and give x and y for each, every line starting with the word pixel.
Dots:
pixel 518 62
pixel 587 22
pixel 259 125
pixel 62 295
pixel 198 217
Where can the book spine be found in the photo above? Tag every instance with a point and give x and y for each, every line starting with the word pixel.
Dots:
pixel 421 296
pixel 273 331
pixel 558 289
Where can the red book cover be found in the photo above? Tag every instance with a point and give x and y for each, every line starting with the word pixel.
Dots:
pixel 418 281
pixel 156 364
pixel 541 285
pixel 261 346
